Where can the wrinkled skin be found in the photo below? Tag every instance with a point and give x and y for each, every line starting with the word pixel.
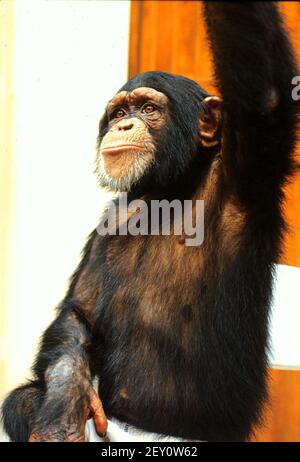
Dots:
pixel 70 429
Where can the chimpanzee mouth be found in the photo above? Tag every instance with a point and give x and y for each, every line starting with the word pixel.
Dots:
pixel 120 148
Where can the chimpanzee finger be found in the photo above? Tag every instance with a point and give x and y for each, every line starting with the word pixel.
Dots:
pixel 99 417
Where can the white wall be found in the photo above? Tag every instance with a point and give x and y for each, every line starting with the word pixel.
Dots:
pixel 285 320
pixel 70 58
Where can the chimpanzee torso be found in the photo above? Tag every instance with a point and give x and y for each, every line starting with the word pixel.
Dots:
pixel 150 343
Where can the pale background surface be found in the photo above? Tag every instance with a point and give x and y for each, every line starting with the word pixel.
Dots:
pixel 285 321
pixel 70 57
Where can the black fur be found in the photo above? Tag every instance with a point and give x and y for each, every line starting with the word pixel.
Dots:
pixel 185 330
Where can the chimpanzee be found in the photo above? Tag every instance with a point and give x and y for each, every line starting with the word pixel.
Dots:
pixel 178 335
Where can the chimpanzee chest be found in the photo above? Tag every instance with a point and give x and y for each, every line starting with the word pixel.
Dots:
pixel 153 281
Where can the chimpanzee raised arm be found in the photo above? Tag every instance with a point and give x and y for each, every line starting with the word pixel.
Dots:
pixel 254 65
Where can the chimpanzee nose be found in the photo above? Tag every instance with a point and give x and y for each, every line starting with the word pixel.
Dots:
pixel 126 125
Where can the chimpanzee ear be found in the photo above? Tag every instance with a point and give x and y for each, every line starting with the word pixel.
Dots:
pixel 210 121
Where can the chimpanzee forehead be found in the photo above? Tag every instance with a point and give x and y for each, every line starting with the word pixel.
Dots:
pixel 137 96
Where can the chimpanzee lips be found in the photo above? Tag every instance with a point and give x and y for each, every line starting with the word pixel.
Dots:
pixel 118 149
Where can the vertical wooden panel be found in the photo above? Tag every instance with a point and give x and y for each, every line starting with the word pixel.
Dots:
pixel 134 65
pixel 170 36
pixel 282 417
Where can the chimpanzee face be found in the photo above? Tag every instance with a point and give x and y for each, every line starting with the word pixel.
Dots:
pixel 127 151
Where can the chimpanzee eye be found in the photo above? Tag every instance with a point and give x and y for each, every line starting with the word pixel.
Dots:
pixel 148 108
pixel 119 114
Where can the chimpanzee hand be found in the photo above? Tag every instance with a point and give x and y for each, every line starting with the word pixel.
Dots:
pixel 65 421
pixel 69 401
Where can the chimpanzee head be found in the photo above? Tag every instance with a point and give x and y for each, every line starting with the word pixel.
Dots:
pixel 153 130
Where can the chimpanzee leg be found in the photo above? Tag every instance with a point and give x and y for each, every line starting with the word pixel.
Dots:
pixel 20 408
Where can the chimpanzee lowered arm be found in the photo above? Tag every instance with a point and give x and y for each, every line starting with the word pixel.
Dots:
pixel 55 406
pixel 254 67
